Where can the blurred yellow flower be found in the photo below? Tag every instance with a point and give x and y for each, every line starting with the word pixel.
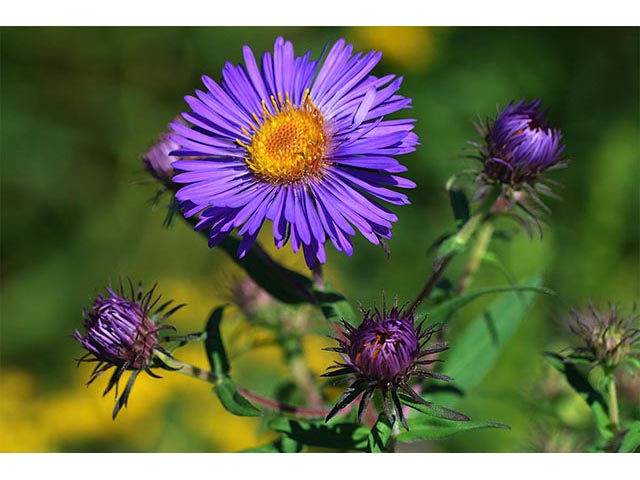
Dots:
pixel 410 47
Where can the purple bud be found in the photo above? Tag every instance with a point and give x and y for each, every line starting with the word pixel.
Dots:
pixel 520 144
pixel 157 160
pixel 121 333
pixel 384 353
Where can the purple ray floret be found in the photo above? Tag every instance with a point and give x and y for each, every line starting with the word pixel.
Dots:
pixel 300 142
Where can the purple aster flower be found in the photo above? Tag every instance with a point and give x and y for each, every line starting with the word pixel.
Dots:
pixel 121 332
pixel 521 145
pixel 303 143
pixel 384 353
pixel 609 338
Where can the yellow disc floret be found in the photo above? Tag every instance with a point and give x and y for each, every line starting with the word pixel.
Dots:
pixel 290 145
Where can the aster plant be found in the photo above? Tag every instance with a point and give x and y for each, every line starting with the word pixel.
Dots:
pixel 306 142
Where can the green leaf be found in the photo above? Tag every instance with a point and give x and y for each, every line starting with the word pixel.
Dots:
pixel 214 346
pixel 441 312
pixel 459 242
pixel 380 435
pixel 432 428
pixel 284 284
pixel 631 440
pixel 479 346
pixel 434 410
pixel 334 306
pixel 340 436
pixel 233 401
pixel 580 383
pixel 459 205
pixel 283 444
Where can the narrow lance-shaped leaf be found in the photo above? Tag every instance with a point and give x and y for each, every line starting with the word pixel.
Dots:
pixel 481 343
pixel 214 345
pixel 225 389
pixel 433 428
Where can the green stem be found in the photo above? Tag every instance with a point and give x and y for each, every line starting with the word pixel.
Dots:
pixel 614 415
pixel 479 249
pixel 463 236
pixel 205 375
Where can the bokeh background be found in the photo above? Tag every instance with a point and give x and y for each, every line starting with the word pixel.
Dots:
pixel 79 107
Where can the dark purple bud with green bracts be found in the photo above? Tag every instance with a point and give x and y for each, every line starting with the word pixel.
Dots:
pixel 385 353
pixel 122 333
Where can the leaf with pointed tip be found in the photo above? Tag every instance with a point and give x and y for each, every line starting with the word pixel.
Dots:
pixel 459 205
pixel 433 428
pixel 334 306
pixel 434 410
pixel 477 349
pixel 631 441
pixel 233 401
pixel 441 312
pixel 380 435
pixel 214 345
pixel 580 383
pixel 340 436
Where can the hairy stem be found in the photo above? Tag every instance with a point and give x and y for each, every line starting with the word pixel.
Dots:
pixel 205 375
pixel 479 249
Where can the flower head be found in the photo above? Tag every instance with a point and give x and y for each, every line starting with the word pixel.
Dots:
pixel 303 143
pixel 121 332
pixel 385 352
pixel 520 145
pixel 157 160
pixel 609 338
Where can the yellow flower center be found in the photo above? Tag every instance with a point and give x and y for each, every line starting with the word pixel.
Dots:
pixel 288 146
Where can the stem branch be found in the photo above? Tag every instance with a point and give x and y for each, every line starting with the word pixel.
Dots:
pixel 205 375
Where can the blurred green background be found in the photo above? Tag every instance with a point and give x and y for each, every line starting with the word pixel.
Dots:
pixel 79 107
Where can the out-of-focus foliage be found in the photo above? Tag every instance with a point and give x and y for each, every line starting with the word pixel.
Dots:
pixel 79 106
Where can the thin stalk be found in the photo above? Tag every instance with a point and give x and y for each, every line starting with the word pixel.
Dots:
pixel 205 375
pixel 479 249
pixel 463 236
pixel 614 414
